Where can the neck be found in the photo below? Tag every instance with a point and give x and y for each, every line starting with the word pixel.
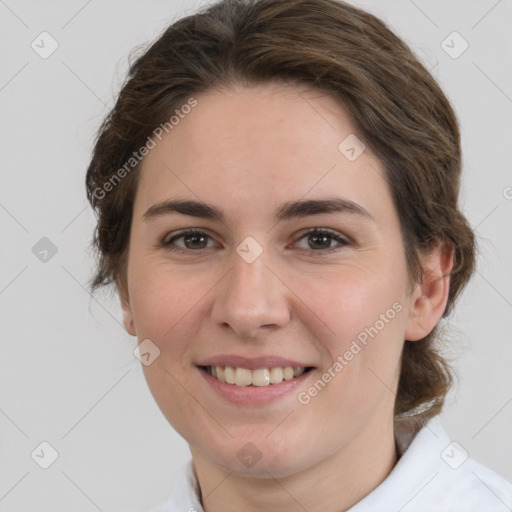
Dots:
pixel 333 485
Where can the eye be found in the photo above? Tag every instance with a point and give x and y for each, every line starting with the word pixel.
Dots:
pixel 321 239
pixel 318 240
pixel 193 240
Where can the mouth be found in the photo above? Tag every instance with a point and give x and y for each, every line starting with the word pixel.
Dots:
pixel 256 380
pixel 259 377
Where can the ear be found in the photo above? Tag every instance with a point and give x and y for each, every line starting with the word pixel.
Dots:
pixel 124 297
pixel 429 297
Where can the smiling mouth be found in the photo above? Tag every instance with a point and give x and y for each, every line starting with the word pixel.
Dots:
pixel 260 377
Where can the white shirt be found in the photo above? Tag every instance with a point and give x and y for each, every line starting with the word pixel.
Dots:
pixel 431 475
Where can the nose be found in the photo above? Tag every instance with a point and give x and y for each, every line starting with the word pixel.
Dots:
pixel 251 297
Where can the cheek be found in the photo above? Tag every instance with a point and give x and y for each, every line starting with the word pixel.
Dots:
pixel 348 301
pixel 365 323
pixel 163 299
pixel 167 308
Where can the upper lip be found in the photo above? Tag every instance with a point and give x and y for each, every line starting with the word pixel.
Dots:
pixel 252 363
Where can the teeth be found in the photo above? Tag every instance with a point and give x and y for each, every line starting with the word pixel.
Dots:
pixel 229 374
pixel 260 377
pixel 276 375
pixel 298 371
pixel 288 373
pixel 243 377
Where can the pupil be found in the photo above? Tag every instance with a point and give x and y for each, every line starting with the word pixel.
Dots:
pixel 325 239
pixel 193 239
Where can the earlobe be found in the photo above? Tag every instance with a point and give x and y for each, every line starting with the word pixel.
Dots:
pixel 429 298
pixel 127 312
pixel 128 322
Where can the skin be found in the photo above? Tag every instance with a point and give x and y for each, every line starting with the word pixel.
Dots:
pixel 248 151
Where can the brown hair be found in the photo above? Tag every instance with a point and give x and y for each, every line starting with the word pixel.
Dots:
pixel 396 105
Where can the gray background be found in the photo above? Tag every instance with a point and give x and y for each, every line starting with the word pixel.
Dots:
pixel 67 372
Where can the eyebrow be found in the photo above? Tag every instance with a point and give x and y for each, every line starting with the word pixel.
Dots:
pixel 287 211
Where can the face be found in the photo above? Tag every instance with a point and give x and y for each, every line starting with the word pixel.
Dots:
pixel 268 275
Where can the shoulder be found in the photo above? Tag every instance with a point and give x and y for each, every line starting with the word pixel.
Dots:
pixel 435 474
pixel 474 487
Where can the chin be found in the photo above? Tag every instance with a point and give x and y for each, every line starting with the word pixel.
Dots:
pixel 258 457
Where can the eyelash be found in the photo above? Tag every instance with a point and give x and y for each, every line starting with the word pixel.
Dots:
pixel 167 244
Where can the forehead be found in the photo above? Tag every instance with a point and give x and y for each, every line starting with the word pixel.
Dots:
pixel 282 120
pixel 244 145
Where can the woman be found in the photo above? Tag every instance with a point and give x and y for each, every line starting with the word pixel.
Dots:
pixel 276 190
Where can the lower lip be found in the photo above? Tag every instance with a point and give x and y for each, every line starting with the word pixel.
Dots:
pixel 254 395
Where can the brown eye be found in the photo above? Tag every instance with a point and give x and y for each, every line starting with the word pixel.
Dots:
pixel 192 241
pixel 321 240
